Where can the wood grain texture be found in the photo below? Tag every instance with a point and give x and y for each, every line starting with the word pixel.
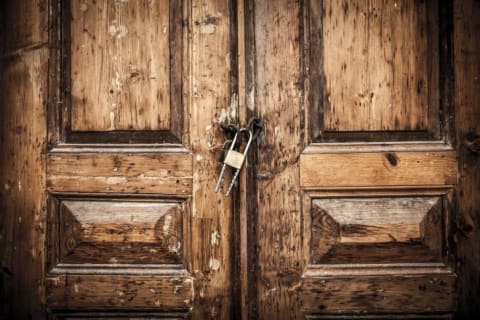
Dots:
pixel 467 124
pixel 278 102
pixel 120 65
pixel 119 232
pixel 169 173
pixel 379 294
pixel 375 64
pixel 377 230
pixel 378 169
pixel 22 178
pixel 209 101
pixel 173 292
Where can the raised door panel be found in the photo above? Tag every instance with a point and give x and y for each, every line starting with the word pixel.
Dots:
pixel 122 71
pixel 376 70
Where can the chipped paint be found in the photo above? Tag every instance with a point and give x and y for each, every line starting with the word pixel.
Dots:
pixel 117 31
pixel 207 28
pixel 117 83
pixel 166 224
pixel 83 7
pixel 6 186
pixel 228 61
pixel 229 114
pixel 113 260
pixel 175 248
pixel 210 136
pixel 76 288
pixel 112 120
pixel 214 238
pixel 116 180
pixel 214 264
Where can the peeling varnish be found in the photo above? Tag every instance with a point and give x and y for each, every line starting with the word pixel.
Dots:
pixel 229 114
pixel 214 239
pixel 166 224
pixel 175 248
pixel 116 180
pixel 207 28
pixel 214 264
pixel 117 31
pixel 210 137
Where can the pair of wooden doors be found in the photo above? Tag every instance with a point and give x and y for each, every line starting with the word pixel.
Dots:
pixel 344 206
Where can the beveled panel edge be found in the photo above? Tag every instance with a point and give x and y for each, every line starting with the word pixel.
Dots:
pixel 54 267
pixel 59 95
pixel 333 270
pixel 390 146
pixel 366 269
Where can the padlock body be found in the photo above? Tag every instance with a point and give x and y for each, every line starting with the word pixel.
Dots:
pixel 234 159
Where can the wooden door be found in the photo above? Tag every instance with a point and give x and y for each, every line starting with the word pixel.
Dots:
pixel 351 215
pixel 134 227
pixel 110 129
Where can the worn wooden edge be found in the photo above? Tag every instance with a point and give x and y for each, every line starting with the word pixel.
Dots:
pixel 119 269
pixel 118 148
pixel 364 269
pixel 127 292
pixel 376 169
pixel 389 191
pixel 175 315
pixel 345 147
pixel 413 316
pixel 432 293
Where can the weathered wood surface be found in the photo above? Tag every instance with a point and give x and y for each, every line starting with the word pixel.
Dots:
pixel 120 67
pixel 376 230
pixel 378 169
pixel 169 173
pixel 379 294
pixel 278 102
pixel 173 292
pixel 113 232
pixel 374 82
pixel 467 124
pixel 23 87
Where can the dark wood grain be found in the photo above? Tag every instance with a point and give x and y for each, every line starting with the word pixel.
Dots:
pixel 23 97
pixel 379 294
pixel 467 124
pixel 173 292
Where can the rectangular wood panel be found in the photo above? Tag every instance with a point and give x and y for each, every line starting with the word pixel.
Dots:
pixel 120 65
pixel 161 173
pixel 379 294
pixel 374 71
pixel 378 169
pixel 118 232
pixel 375 62
pixel 172 292
pixel 377 230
